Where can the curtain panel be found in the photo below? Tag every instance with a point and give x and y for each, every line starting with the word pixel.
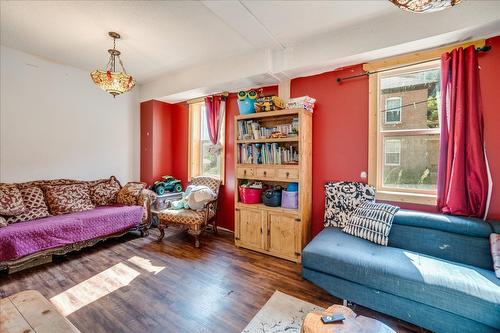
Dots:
pixel 463 176
pixel 215 108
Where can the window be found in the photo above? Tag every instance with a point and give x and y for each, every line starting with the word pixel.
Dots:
pixel 392 110
pixel 404 139
pixel 201 161
pixel 392 152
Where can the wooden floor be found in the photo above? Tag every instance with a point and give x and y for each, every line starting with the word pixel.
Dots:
pixel 138 285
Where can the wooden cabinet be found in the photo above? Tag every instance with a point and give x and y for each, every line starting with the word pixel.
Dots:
pixel 250 228
pixel 283 231
pixel 267 231
pixel 276 231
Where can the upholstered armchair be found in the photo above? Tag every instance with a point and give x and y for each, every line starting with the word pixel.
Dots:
pixel 195 222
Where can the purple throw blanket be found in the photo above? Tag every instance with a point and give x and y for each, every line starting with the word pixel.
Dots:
pixel 23 238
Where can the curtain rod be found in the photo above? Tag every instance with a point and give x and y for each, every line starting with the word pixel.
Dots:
pixel 485 48
pixel 201 99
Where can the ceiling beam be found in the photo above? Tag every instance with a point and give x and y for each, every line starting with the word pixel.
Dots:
pixel 374 39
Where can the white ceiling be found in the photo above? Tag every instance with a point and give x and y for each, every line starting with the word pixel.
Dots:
pixel 161 36
pixel 182 49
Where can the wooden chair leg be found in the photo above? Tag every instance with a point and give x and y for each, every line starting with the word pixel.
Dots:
pixel 216 232
pixel 196 235
pixel 162 232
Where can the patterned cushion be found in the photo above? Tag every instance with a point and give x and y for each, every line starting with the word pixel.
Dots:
pixel 3 222
pixel 495 252
pixel 105 192
pixel 11 200
pixel 210 182
pixel 63 199
pixel 130 194
pixel 36 208
pixel 372 221
pixel 342 198
pixel 42 183
pixel 183 216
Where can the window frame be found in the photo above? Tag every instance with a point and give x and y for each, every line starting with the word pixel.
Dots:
pixel 195 143
pixel 392 152
pixel 400 99
pixel 377 136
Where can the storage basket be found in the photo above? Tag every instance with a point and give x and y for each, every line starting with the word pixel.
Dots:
pixel 272 197
pixel 290 199
pixel 250 195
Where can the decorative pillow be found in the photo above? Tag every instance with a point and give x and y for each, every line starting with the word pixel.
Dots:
pixel 36 208
pixel 495 252
pixel 198 195
pixel 342 198
pixel 372 221
pixel 11 200
pixel 63 199
pixel 3 222
pixel 130 194
pixel 105 192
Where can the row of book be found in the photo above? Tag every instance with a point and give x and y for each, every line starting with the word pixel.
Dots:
pixel 251 129
pixel 267 153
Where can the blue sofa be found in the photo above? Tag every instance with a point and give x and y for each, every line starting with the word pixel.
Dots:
pixel 436 272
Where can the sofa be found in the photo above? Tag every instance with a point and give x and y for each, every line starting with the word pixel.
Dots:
pixel 436 271
pixel 62 215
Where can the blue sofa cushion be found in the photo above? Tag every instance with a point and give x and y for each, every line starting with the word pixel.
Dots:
pixel 464 290
pixel 467 226
pixel 454 238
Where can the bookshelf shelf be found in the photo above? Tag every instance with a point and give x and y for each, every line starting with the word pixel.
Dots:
pixel 258 115
pixel 275 231
pixel 271 140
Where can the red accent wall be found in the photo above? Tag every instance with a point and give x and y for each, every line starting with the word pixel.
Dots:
pixel 489 64
pixel 340 134
pixel 156 140
pixel 180 130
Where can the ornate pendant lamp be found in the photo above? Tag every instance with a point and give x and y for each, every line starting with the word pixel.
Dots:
pixel 425 6
pixel 110 80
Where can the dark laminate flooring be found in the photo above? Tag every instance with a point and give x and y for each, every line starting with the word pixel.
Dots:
pixel 135 284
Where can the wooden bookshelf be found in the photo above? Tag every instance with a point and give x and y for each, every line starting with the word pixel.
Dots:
pixel 276 231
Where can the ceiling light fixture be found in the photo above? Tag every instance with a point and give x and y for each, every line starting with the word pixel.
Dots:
pixel 110 80
pixel 424 6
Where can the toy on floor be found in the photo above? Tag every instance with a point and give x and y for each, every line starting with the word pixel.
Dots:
pixel 168 183
pixel 195 197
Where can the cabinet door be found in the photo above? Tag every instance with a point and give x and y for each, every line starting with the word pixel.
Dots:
pixel 250 224
pixel 284 235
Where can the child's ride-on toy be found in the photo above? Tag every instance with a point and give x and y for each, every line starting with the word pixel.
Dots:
pixel 168 183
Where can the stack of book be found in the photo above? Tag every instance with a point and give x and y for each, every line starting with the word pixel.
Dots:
pixel 268 153
pixel 250 129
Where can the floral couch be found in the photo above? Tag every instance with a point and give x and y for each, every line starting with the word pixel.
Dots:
pixel 40 219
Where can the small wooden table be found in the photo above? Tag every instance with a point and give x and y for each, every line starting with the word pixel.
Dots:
pixel 30 312
pixel 352 323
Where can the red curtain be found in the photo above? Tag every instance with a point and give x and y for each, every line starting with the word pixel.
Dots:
pixel 462 169
pixel 215 109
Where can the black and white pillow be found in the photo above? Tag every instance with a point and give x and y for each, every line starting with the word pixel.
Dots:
pixel 372 221
pixel 342 198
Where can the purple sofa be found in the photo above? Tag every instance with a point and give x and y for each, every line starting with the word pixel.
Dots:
pixel 30 243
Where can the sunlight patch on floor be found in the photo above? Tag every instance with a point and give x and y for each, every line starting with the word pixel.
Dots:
pixel 92 289
pixel 146 264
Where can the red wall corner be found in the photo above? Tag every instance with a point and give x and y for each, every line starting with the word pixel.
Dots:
pixel 156 140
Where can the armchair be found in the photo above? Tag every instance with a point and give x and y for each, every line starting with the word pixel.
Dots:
pixel 195 222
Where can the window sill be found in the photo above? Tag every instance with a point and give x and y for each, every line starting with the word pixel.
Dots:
pixel 421 199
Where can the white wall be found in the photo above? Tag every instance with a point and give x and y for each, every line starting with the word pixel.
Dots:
pixel 55 123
